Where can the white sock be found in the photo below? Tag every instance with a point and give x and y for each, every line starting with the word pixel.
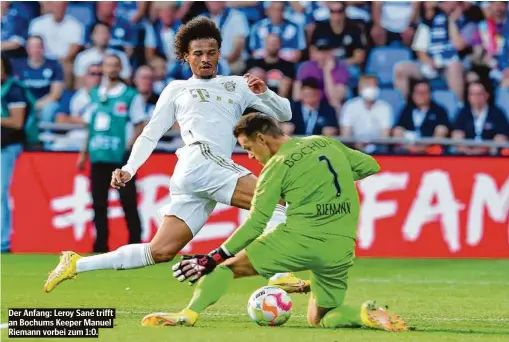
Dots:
pixel 278 217
pixel 126 257
pixel 278 276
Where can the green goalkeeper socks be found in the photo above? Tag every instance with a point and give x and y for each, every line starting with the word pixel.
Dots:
pixel 342 317
pixel 210 288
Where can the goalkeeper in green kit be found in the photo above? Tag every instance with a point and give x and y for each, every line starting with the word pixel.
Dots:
pixel 316 177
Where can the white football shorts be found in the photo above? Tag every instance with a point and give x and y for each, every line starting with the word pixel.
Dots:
pixel 202 177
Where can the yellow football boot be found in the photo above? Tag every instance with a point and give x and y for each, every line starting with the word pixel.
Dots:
pixel 185 317
pixel 292 284
pixel 66 269
pixel 376 317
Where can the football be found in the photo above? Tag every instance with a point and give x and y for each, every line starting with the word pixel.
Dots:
pixel 269 306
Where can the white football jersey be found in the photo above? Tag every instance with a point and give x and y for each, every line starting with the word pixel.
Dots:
pixel 206 111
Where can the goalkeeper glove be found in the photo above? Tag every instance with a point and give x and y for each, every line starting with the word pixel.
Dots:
pixel 193 267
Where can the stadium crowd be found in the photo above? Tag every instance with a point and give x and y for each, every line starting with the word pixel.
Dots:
pixel 357 69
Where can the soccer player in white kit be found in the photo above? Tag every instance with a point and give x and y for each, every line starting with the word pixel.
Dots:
pixel 206 108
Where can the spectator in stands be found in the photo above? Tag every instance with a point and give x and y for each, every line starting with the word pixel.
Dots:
pixel 95 54
pixel 332 74
pixel 427 12
pixel 295 11
pixel 472 10
pixel 26 9
pixel 316 11
pixel 479 120
pixel 421 117
pixel 80 101
pixel 348 42
pixel 279 74
pixel 15 109
pixel 488 43
pixel 394 21
pixel 258 72
pixel 114 105
pixel 123 34
pixel 144 82
pixel 161 34
pixel 160 69
pixel 504 64
pixel 312 115
pixel 293 40
pixel 253 10
pixel 366 116
pixel 62 35
pixel 132 11
pixel 438 45
pixel 14 30
pixel 358 12
pixel 234 31
pixel 43 77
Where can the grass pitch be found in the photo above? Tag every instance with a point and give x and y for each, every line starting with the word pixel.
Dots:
pixel 445 300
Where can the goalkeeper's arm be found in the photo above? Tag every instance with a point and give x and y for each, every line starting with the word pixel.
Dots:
pixel 362 165
pixel 267 195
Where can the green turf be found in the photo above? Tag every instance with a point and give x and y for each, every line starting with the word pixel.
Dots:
pixel 445 300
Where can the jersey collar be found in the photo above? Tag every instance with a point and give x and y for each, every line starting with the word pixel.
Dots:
pixel 113 92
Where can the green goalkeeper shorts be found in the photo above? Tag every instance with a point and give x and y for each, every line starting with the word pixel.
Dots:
pixel 328 260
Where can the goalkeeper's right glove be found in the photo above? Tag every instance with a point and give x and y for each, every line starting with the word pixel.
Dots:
pixel 193 267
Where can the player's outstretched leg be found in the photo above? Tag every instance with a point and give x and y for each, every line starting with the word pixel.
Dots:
pixel 170 238
pixel 208 291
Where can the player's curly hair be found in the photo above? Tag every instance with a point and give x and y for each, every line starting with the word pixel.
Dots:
pixel 198 28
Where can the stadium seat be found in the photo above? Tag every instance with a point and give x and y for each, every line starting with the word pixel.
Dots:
pixel 27 9
pixel 65 101
pixel 448 100
pixel 438 84
pixel 381 62
pixel 502 100
pixel 394 98
pixel 82 11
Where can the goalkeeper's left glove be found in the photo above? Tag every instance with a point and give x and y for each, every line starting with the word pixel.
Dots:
pixel 193 267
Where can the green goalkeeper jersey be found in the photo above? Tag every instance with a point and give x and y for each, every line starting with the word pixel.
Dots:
pixel 315 176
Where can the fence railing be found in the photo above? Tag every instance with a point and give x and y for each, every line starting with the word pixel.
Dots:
pixel 491 145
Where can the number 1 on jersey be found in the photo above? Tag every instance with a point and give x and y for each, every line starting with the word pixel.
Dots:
pixel 334 174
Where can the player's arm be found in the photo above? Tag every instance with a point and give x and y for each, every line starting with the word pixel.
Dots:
pixel 362 165
pixel 267 195
pixel 268 102
pixel 162 119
